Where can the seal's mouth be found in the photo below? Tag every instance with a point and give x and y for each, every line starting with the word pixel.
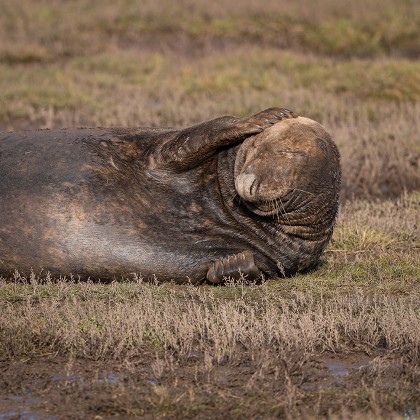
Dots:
pixel 272 206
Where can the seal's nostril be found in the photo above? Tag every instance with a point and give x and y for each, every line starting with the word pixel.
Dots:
pixel 244 184
pixel 253 187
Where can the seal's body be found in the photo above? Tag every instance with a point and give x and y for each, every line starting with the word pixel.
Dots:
pixel 178 204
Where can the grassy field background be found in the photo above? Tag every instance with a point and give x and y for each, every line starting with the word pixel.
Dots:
pixel 353 67
pixel 137 349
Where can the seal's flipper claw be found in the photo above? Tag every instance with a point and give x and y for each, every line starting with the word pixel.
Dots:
pixel 236 266
pixel 264 119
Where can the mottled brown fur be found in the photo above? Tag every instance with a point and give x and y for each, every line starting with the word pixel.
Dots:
pixel 104 203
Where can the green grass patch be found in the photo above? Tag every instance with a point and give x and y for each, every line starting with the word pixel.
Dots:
pixel 40 86
pixel 85 82
pixel 82 27
pixel 338 37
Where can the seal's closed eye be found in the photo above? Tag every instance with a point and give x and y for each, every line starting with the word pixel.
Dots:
pixel 286 164
pixel 298 152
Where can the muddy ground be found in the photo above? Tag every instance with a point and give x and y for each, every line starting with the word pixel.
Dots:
pixel 52 387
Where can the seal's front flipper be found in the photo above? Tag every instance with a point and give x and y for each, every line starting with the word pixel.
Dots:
pixel 264 119
pixel 234 266
pixel 186 149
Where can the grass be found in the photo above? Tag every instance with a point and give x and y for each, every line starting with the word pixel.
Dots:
pixel 128 77
pixel 60 29
pixel 86 83
pixel 123 320
pixel 132 348
pixel 380 151
pixel 243 348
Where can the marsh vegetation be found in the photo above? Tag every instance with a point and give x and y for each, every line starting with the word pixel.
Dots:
pixel 341 341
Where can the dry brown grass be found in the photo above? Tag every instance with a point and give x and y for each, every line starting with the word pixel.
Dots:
pixel 127 319
pixel 137 349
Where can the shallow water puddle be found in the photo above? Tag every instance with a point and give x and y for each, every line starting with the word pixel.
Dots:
pixel 109 378
pixel 103 378
pixel 336 371
pixel 26 407
pixel 337 368
pixel 153 382
pixel 22 407
pixel 410 414
pixel 67 379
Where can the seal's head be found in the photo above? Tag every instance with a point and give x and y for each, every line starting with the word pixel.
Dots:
pixel 286 167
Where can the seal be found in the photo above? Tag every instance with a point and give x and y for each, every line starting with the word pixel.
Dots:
pixel 227 197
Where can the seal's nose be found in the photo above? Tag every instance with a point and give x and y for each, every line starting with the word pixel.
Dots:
pixel 244 184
